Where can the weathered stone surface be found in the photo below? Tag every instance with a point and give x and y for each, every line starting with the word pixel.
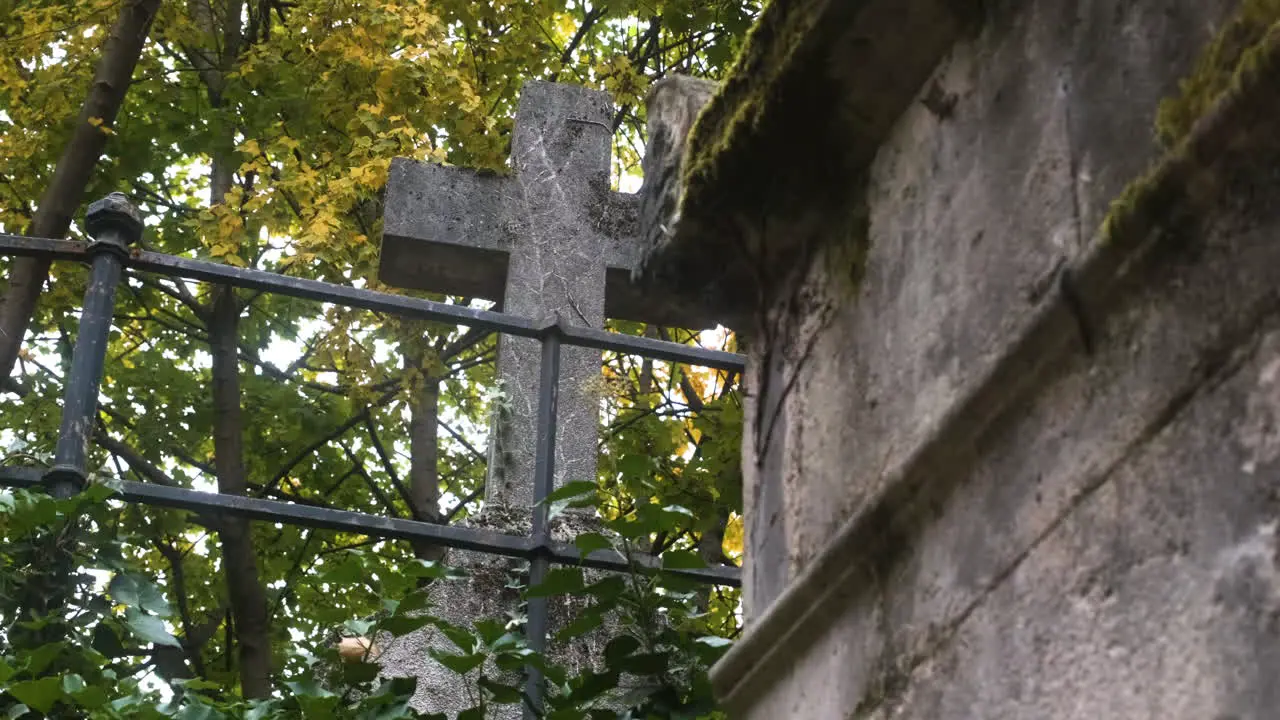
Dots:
pixel 549 242
pixel 972 492
pixel 671 107
pixel 969 219
pixel 815 91
pixel 490 591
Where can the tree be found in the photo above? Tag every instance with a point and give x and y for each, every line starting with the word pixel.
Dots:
pixel 258 133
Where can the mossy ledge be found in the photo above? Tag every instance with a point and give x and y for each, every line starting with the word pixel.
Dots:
pixel 1229 139
pixel 1217 69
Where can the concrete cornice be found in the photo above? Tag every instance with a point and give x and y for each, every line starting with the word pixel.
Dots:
pixel 810 100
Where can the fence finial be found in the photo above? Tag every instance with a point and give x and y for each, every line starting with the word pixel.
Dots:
pixel 114 213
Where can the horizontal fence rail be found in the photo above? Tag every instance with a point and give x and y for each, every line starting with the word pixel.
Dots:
pixel 417 308
pixel 115 225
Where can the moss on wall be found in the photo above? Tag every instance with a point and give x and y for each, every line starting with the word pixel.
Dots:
pixel 769 51
pixel 1218 68
pixel 1211 129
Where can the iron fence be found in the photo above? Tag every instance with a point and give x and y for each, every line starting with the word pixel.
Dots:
pixel 115 226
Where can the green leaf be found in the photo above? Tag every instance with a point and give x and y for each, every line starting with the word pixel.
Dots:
pixel 682 560
pixel 39 658
pixel 475 713
pixel 149 628
pixel 581 625
pixel 588 543
pixel 404 624
pixel 106 641
pixel 645 664
pixel 349 570
pixel 619 649
pixel 92 697
pixel 714 641
pixel 459 636
pixel 570 491
pixel 461 664
pixel 308 687
pixel 360 672
pixel 135 591
pixel 608 589
pixel 414 602
pixel 358 627
pixel 72 683
pixel 40 694
pixel 559 581
pixel 635 466
pixel 490 630
pixel 501 693
pixel 196 710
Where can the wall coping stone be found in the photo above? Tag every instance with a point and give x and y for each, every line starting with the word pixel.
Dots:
pixel 808 103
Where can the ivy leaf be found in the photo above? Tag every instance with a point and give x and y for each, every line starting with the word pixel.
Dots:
pixel 149 628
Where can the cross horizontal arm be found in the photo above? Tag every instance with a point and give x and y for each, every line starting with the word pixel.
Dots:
pixel 374 525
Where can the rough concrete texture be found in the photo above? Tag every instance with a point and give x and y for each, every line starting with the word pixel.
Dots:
pixel 1107 546
pixel 969 219
pixel 1111 472
pixel 488 592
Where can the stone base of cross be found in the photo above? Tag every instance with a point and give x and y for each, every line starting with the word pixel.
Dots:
pixel 550 240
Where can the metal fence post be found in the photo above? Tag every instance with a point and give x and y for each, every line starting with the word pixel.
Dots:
pixel 544 473
pixel 114 224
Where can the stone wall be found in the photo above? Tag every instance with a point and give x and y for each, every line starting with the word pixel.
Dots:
pixel 1004 469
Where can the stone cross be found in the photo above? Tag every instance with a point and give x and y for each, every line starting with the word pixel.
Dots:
pixel 550 239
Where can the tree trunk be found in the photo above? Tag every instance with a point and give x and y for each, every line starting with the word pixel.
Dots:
pixel 240 563
pixel 65 193
pixel 424 475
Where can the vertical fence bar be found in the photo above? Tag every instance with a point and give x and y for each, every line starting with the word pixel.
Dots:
pixel 114 224
pixel 544 471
